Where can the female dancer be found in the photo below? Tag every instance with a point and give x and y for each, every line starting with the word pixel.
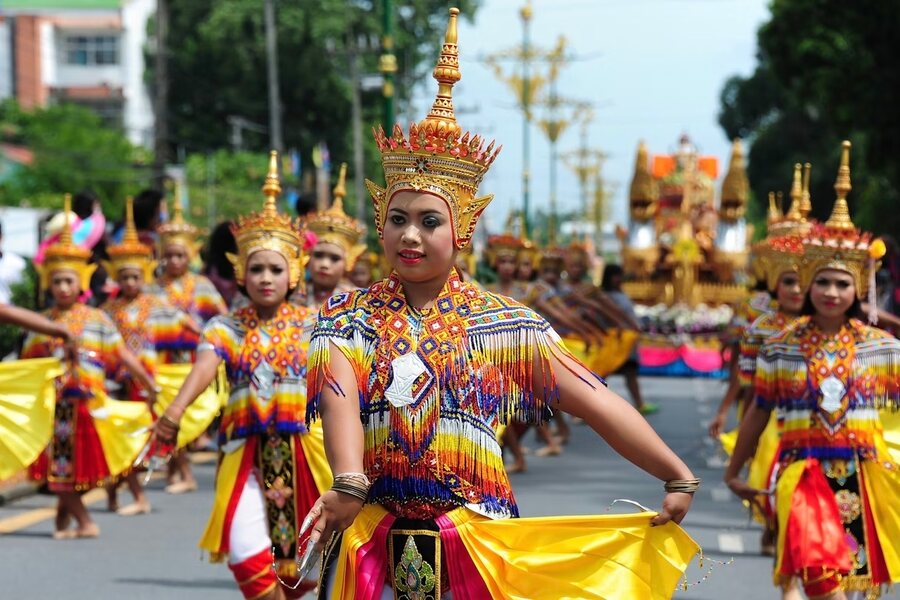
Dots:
pixel 189 293
pixel 826 375
pixel 271 467
pixel 149 326
pixel 413 376
pixel 78 457
pixel 337 248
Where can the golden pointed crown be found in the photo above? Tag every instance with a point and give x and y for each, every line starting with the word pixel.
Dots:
pixel 838 243
pixel 793 222
pixel 735 186
pixel 131 253
pixel 269 230
pixel 504 244
pixel 178 231
pixel 437 157
pixel 66 255
pixel 644 191
pixel 337 227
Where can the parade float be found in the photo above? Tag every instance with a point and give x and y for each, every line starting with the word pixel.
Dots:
pixel 685 257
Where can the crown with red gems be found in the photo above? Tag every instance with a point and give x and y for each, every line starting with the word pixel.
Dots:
pixel 437 157
pixel 337 227
pixel 66 255
pixel 131 253
pixel 838 243
pixel 504 244
pixel 269 230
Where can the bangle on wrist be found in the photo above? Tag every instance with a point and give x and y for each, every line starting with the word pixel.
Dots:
pixel 682 486
pixel 169 420
pixel 352 484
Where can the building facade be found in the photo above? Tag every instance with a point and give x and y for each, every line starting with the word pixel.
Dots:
pixel 87 52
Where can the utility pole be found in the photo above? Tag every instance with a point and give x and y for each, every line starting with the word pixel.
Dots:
pixel 275 138
pixel 526 14
pixel 387 64
pixel 356 118
pixel 161 99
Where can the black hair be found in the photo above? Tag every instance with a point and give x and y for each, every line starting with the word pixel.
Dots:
pixel 146 208
pixel 854 312
pixel 610 272
pixel 83 203
pixel 306 203
pixel 221 241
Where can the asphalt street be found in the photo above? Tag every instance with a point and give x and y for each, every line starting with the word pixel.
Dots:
pixel 156 557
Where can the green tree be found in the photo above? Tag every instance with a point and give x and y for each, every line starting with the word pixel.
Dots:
pixel 72 150
pixel 827 71
pixel 218 68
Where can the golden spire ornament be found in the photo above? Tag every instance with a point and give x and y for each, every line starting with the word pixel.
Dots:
pixel 334 226
pixel 178 231
pixel 838 244
pixel 131 253
pixel 65 255
pixel 805 198
pixel 437 157
pixel 269 230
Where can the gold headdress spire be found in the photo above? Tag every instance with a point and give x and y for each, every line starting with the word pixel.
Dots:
pixel 268 230
pixel 793 213
pixel 805 199
pixel 65 255
pixel 735 187
pixel 840 214
pixel 131 253
pixel 334 226
pixel 437 157
pixel 178 231
pixel 838 244
pixel 643 188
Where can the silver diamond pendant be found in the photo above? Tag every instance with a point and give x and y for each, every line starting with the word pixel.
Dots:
pixel 832 393
pixel 407 369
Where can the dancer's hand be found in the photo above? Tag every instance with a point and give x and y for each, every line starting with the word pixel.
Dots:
pixel 715 426
pixel 674 507
pixel 331 514
pixel 166 428
pixel 743 490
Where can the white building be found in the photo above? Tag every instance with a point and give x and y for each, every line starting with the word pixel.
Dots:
pixel 89 52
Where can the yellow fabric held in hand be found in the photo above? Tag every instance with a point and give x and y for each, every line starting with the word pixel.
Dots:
pixel 123 428
pixel 784 495
pixel 313 444
pixel 883 489
pixel 890 422
pixel 27 406
pixel 609 557
pixel 202 411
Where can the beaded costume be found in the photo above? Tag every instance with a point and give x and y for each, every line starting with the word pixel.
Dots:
pixel 434 387
pixel 837 485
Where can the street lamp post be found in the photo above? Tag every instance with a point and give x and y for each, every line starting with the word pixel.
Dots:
pixel 526 14
pixel 387 64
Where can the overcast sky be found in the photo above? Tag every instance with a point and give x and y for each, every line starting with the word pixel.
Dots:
pixel 655 68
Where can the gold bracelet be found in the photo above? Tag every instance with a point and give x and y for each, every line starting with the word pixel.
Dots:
pixel 683 486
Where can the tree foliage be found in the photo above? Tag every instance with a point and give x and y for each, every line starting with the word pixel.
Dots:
pixel 217 67
pixel 827 71
pixel 73 150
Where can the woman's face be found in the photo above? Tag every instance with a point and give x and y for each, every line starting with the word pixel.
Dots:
pixel 832 293
pixel 361 275
pixel 575 267
pixel 506 267
pixel 550 273
pixel 418 237
pixel 65 288
pixel 266 278
pixel 525 268
pixel 175 259
pixel 327 264
pixel 788 293
pixel 131 282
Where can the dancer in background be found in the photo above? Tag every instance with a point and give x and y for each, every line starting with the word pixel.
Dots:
pixel 826 375
pixel 271 466
pixel 189 293
pixel 81 454
pixel 150 328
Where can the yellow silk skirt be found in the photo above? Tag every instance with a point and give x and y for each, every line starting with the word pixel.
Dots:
pixel 610 557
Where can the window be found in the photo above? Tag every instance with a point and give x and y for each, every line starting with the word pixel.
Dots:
pixel 90 50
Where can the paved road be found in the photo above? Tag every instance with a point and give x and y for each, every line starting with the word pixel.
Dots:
pixel 156 557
